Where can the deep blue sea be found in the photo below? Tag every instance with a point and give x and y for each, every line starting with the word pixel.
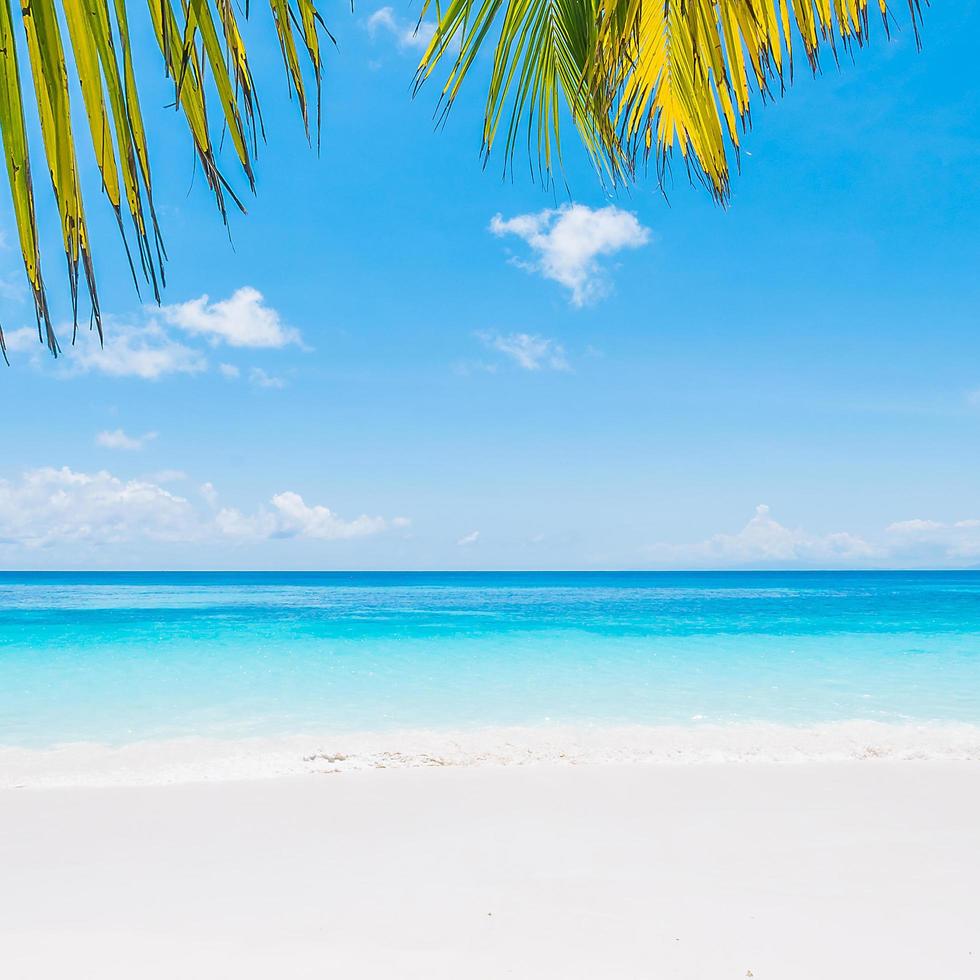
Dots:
pixel 122 657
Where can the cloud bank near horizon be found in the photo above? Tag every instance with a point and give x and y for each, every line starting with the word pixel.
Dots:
pixel 89 513
pixel 50 506
pixel 766 543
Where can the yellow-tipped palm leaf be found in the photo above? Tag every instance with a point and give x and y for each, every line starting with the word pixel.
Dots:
pixel 641 77
pixel 202 48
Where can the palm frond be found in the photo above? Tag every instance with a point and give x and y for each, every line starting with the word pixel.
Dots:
pixel 686 71
pixel 203 49
pixel 540 70
pixel 18 161
pixel 640 77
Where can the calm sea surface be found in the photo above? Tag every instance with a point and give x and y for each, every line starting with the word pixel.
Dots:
pixel 118 657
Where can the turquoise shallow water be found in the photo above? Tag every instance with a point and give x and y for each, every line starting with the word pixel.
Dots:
pixel 130 656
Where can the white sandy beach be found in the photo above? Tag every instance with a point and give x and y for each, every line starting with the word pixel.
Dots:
pixel 782 871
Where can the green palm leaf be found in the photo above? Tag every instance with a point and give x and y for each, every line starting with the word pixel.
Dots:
pixel 202 48
pixel 541 69
pixel 638 77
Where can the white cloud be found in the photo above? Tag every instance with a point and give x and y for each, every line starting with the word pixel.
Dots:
pixel 53 506
pixel 117 439
pixel 47 507
pixel 147 348
pixel 913 526
pixel 134 351
pixel 291 517
pixel 22 340
pixel 209 494
pixel 232 523
pixel 383 19
pixel 567 242
pixel 467 539
pixel 914 543
pixel 406 35
pixel 466 368
pixel 166 476
pixel 936 542
pixel 262 379
pixel 242 320
pixel 764 541
pixel 296 518
pixel 530 351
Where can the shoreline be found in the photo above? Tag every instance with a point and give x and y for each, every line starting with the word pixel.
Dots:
pixel 545 872
pixel 199 759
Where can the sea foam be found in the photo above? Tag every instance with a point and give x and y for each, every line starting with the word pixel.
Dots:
pixel 187 760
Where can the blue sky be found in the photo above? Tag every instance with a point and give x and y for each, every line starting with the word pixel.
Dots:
pixel 404 361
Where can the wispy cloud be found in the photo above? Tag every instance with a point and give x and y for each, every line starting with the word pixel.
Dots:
pixel 529 351
pixel 566 244
pixel 118 439
pixel 166 476
pixel 262 379
pixel 22 340
pixel 385 21
pixel 468 539
pixel 209 494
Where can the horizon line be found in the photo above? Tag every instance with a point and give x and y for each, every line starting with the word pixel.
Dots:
pixel 481 571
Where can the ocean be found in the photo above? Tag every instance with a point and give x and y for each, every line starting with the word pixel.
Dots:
pixel 120 659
